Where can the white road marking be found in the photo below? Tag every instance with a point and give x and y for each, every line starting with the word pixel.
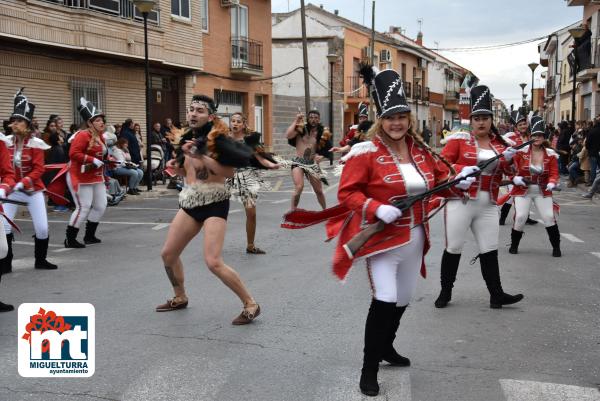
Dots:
pixel 62 250
pixel 145 208
pixel 523 390
pixel 160 226
pixel 101 222
pixel 596 254
pixel 280 201
pixel 571 237
pixel 33 244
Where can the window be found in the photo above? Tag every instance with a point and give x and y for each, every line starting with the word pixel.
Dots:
pixel 229 102
pixel 403 72
pixel 180 8
pixel 239 21
pixel 204 15
pixel 91 90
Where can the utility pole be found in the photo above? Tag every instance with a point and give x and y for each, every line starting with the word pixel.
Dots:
pixel 371 111
pixel 305 57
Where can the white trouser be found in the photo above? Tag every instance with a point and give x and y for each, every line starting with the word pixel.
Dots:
pixel 543 205
pixel 36 205
pixel 3 244
pixel 393 274
pixel 90 202
pixel 478 214
pixel 510 200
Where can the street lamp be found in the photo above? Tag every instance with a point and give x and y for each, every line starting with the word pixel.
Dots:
pixel 523 85
pixel 332 58
pixel 417 96
pixel 576 33
pixel 533 66
pixel 145 6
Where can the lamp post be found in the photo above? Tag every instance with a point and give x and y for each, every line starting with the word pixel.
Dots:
pixel 145 6
pixel 332 58
pixel 417 96
pixel 523 85
pixel 533 66
pixel 576 33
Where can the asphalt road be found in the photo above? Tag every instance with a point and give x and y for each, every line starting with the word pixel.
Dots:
pixel 307 344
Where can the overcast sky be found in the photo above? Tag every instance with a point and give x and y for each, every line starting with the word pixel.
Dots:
pixel 465 23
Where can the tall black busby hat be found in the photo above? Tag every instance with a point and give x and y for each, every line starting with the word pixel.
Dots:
pixel 87 110
pixel 23 109
pixel 481 101
pixel 538 126
pixel 518 115
pixel 363 109
pixel 387 90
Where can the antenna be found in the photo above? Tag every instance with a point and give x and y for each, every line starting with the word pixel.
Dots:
pixel 437 44
pixel 420 22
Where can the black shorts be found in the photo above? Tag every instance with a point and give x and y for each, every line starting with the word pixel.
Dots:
pixel 201 213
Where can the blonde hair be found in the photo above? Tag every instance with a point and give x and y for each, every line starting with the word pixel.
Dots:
pixel 377 129
pixel 246 129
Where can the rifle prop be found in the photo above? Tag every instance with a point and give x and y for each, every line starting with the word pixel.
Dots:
pixel 357 242
pixel 14 202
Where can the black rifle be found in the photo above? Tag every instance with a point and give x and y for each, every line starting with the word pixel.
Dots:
pixel 14 202
pixel 357 242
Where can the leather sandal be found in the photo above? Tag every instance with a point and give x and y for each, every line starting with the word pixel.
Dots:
pixel 246 316
pixel 173 304
pixel 256 251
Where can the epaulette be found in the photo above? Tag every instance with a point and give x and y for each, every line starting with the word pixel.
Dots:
pixel 37 143
pixel 458 135
pixel 359 149
pixel 552 153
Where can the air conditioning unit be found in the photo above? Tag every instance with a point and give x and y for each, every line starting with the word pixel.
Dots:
pixel 230 3
pixel 385 56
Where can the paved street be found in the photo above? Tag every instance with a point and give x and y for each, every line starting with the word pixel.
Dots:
pixel 307 344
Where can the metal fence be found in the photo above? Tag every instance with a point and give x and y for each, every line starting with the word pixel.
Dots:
pixel 246 53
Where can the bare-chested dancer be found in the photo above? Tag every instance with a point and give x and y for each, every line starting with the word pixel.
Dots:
pixel 204 203
pixel 312 142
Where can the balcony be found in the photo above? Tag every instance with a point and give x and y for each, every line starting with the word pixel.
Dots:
pixel 246 57
pixel 408 89
pixel 118 8
pixel 550 87
pixel 357 89
pixel 417 91
pixel 426 94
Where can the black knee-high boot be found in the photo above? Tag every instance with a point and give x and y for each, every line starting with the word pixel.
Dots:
pixel 90 233
pixel 5 307
pixel 389 353
pixel 491 274
pixel 504 213
pixel 377 328
pixel 448 271
pixel 71 240
pixel 41 252
pixel 554 236
pixel 515 239
pixel 6 262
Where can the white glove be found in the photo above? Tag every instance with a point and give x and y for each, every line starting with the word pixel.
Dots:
pixel 509 153
pixel 388 213
pixel 518 180
pixel 19 186
pixel 2 193
pixel 466 183
pixel 466 171
pixel 98 163
pixel 550 186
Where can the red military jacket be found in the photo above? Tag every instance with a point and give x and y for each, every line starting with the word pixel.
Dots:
pixel 82 157
pixel 27 161
pixel 349 135
pixel 7 173
pixel 372 177
pixel 550 174
pixel 461 151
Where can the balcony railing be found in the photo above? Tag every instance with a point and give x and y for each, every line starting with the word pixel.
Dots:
pixel 418 91
pixel 357 89
pixel 119 8
pixel 550 86
pixel 408 89
pixel 246 56
pixel 426 94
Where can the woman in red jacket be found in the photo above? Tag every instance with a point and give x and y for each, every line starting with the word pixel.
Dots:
pixel 85 177
pixel 7 182
pixel 27 159
pixel 478 210
pixel 394 164
pixel 536 176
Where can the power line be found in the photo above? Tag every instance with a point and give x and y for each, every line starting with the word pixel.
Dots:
pixel 490 47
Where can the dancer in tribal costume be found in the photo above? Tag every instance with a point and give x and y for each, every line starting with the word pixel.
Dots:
pixel 536 175
pixel 312 142
pixel 247 181
pixel 27 159
pixel 204 204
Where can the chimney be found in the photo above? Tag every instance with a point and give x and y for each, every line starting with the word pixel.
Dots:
pixel 321 6
pixel 336 12
pixel 395 29
pixel 420 38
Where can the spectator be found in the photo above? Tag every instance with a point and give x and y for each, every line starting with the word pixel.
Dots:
pixel 59 127
pixel 55 155
pixel 563 147
pixel 50 129
pixel 133 145
pixel 125 167
pixel 426 135
pixel 138 135
pixel 592 144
